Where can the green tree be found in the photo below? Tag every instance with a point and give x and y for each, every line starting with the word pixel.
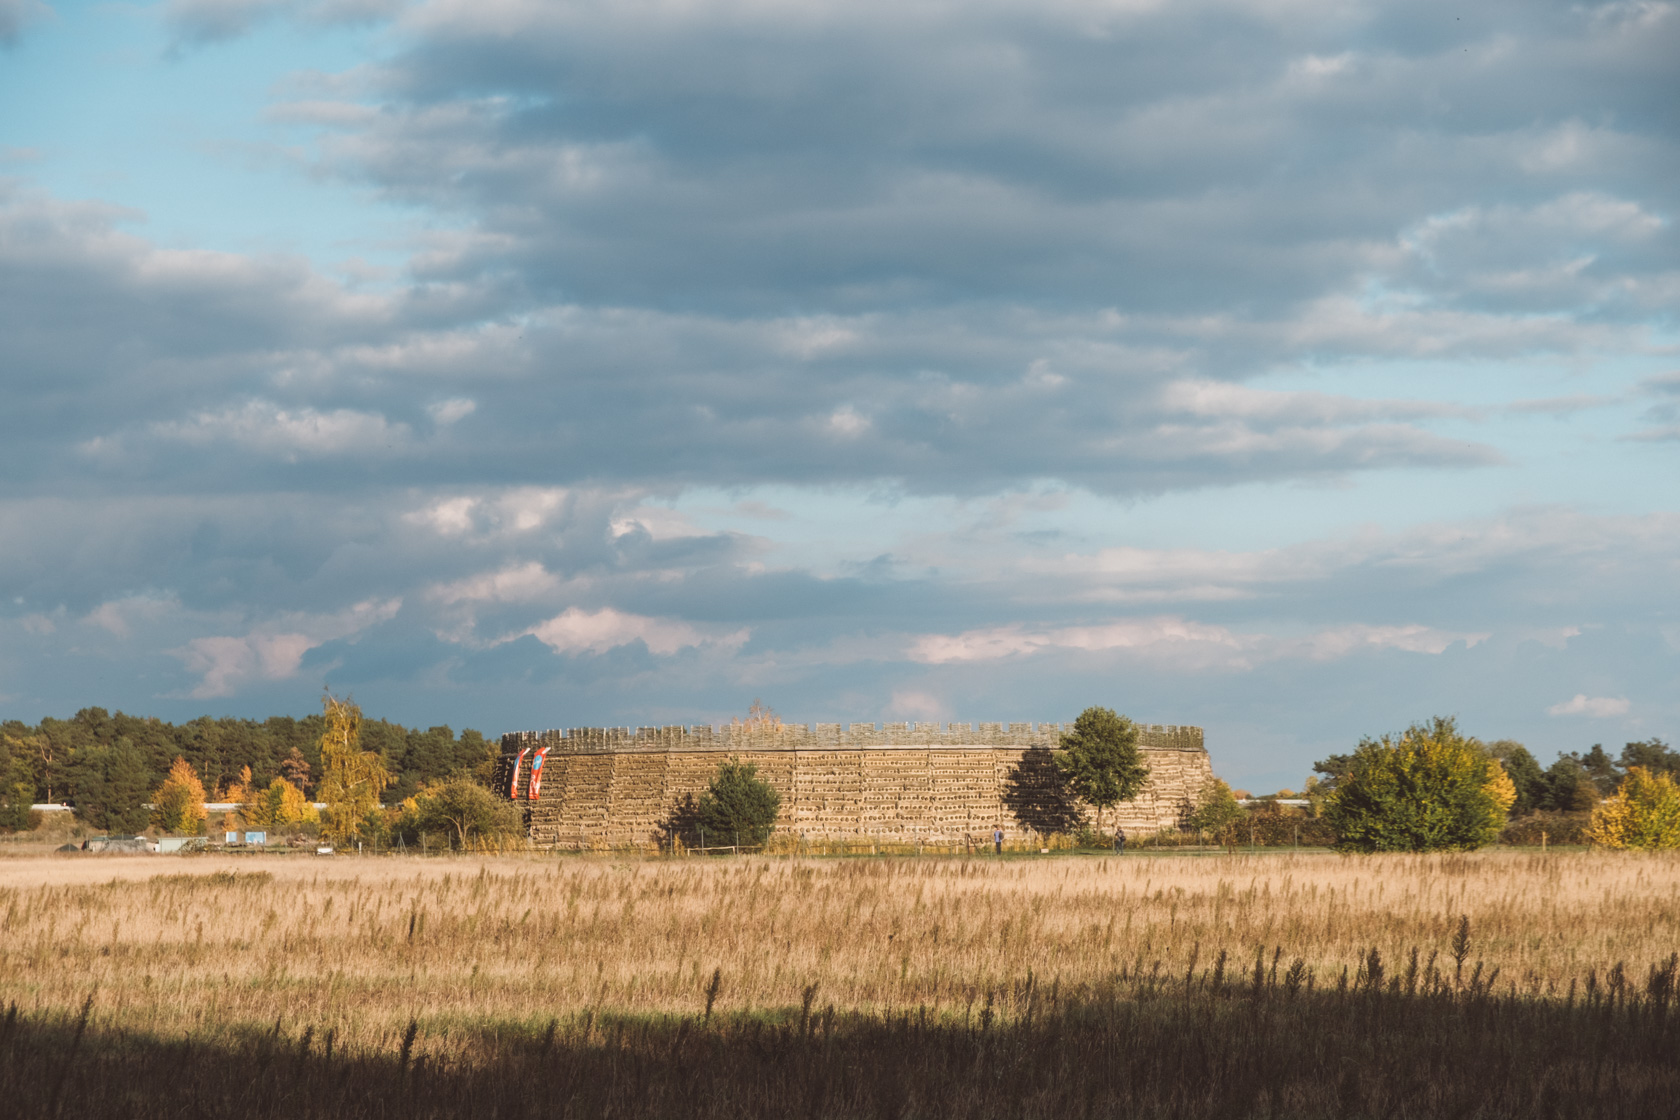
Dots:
pixel 17 788
pixel 1644 812
pixel 1653 755
pixel 484 756
pixel 738 803
pixel 1216 811
pixel 1599 767
pixel 1568 787
pixel 111 785
pixel 1099 759
pixel 351 778
pixel 1524 772
pixel 460 807
pixel 1428 789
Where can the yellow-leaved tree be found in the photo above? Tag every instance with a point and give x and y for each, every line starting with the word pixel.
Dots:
pixel 280 804
pixel 351 779
pixel 1644 812
pixel 178 804
pixel 759 718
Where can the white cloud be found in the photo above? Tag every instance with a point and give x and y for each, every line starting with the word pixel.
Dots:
pixel 1327 645
pixel 449 517
pixel 1185 642
pixel 273 651
pixel 847 422
pixel 445 413
pixel 224 663
pixel 1229 400
pixel 657 522
pixel 118 617
pixel 1011 641
pixel 580 631
pixel 1596 707
pixel 508 512
pixel 521 583
pixel 39 624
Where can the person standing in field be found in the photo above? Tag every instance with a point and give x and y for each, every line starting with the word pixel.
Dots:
pixel 1119 839
pixel 997 840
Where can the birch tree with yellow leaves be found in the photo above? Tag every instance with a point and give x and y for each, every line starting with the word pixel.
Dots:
pixel 351 778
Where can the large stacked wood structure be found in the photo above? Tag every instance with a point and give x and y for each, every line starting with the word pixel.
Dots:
pixel 608 787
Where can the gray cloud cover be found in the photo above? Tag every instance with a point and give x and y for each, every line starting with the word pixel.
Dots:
pixel 942 254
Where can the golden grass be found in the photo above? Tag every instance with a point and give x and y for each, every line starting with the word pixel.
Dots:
pixel 187 946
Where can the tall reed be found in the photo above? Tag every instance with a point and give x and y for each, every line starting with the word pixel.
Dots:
pixel 967 966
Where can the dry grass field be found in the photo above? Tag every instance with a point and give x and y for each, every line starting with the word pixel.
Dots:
pixel 1276 984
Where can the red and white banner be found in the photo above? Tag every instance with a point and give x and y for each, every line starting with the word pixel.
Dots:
pixel 513 786
pixel 536 773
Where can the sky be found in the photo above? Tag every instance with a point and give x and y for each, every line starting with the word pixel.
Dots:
pixel 1297 370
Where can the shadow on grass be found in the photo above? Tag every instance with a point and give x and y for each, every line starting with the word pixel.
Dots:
pixel 1147 1046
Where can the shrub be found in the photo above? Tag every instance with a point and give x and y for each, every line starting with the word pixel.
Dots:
pixel 1271 825
pixel 459 807
pixel 178 804
pixel 1216 810
pixel 1555 828
pixel 15 812
pixel 1430 789
pixel 738 803
pixel 1643 813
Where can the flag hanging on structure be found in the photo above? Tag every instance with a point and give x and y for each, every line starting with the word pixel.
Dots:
pixel 513 786
pixel 536 773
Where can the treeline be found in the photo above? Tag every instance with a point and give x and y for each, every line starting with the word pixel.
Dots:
pixel 96 758
pixel 1575 783
pixel 1432 785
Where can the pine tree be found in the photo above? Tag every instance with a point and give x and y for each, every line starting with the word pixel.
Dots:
pixel 125 788
pixel 739 806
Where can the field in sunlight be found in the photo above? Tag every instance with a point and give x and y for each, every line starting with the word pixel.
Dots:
pixel 1317 983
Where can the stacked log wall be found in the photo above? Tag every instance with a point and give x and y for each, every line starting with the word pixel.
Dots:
pixel 610 787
